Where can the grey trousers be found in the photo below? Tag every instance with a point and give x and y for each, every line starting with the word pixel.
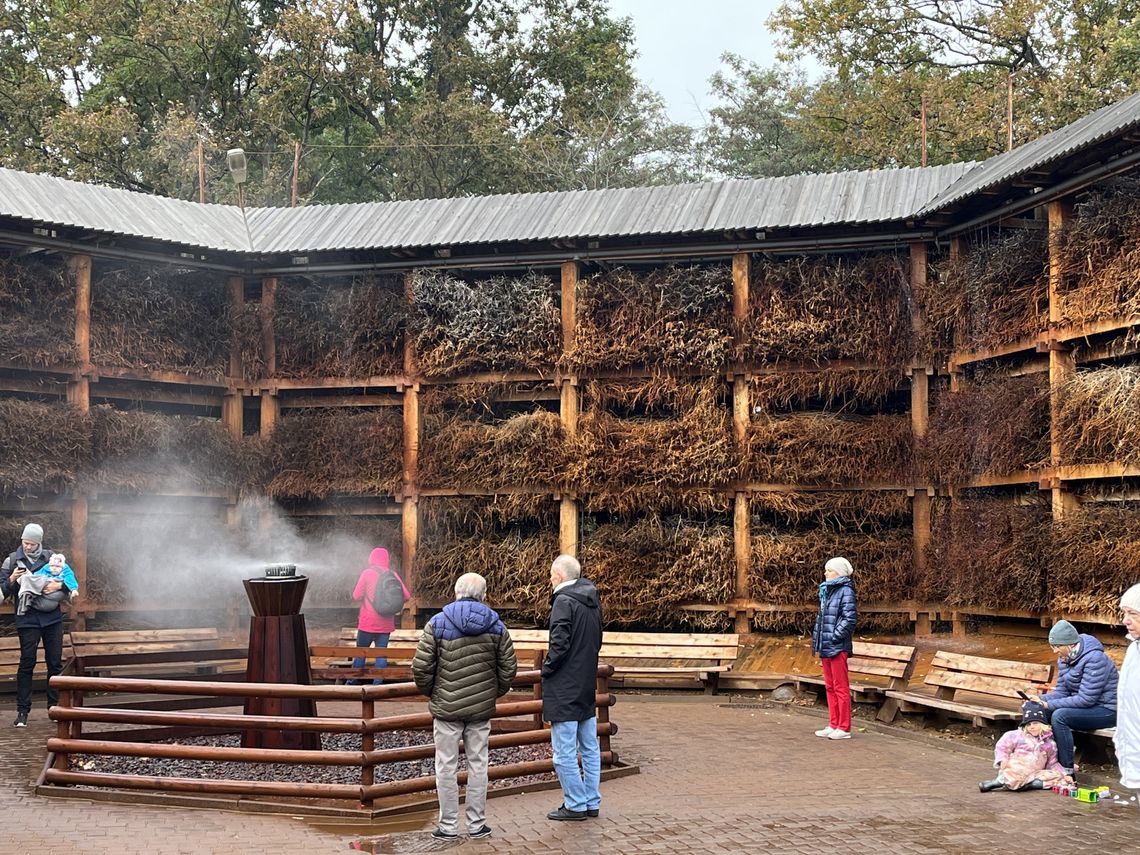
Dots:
pixel 474 735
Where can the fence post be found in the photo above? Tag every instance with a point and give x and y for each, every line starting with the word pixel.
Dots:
pixel 63 730
pixel 603 688
pixel 536 688
pixel 367 744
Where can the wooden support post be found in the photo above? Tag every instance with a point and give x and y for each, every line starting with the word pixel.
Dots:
pixel 569 405
pixel 742 550
pixel 741 409
pixel 270 407
pixel 232 404
pixel 1062 366
pixel 77 558
pixel 79 396
pixel 919 419
pixel 957 253
pixel 410 509
pixel 741 422
pixel 409 540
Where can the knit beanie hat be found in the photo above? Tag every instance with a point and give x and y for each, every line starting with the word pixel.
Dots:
pixel 33 532
pixel 840 566
pixel 1063 632
pixel 1131 598
pixel 1032 712
pixel 379 558
pixel 57 560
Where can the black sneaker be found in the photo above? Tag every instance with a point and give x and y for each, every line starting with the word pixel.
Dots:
pixel 592 812
pixel 21 720
pixel 485 831
pixel 439 834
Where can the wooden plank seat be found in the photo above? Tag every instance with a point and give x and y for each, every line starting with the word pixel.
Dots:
pixel 657 659
pixel 10 662
pixel 182 653
pixel 335 663
pixel 972 687
pixel 873 670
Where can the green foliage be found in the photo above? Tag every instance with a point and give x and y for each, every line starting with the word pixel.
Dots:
pixel 388 98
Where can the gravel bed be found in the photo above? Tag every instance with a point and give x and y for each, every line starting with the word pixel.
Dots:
pixel 317 774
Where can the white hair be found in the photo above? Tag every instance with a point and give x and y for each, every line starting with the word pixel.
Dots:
pixel 470 586
pixel 839 566
pixel 568 566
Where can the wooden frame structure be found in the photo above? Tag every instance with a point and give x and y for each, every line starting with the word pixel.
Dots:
pixel 257 404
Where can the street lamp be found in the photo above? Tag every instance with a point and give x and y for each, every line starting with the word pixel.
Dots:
pixel 236 162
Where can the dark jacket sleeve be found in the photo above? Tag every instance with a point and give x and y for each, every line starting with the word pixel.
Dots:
pixel 559 641
pixel 424 662
pixel 508 663
pixel 6 586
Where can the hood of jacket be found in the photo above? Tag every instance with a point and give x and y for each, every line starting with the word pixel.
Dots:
pixel 582 590
pixel 1089 644
pixel 469 617
pixel 379 558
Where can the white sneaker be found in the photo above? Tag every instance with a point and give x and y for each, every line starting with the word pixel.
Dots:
pixel 825 733
pixel 839 734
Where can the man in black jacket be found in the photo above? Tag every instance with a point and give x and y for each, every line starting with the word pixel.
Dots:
pixel 569 677
pixel 33 626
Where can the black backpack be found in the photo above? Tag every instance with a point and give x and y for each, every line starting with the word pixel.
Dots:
pixel 388 596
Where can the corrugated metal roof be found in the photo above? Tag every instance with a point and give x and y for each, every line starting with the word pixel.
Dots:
pixel 51 201
pixel 1054 146
pixel 742 204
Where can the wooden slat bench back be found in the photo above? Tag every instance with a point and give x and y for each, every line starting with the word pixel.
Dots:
pixel 976 687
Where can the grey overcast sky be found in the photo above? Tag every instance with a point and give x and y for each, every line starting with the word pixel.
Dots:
pixel 680 43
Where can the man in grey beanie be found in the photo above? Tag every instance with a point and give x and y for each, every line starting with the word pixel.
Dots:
pixel 1085 695
pixel 34 627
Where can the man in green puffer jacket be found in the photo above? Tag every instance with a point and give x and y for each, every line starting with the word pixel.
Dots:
pixel 464 662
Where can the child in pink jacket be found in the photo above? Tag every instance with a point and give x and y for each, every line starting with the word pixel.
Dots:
pixel 373 628
pixel 1026 758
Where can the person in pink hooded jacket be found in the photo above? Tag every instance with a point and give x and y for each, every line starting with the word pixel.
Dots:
pixel 373 628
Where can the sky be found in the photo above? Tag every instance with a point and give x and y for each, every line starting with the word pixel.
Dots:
pixel 680 43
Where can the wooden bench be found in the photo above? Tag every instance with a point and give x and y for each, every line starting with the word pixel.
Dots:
pixel 874 670
pixel 10 662
pixel 972 687
pixel 657 659
pixel 335 663
pixel 182 653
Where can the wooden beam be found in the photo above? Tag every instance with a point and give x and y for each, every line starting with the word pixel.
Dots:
pixel 742 551
pixel 300 402
pixel 77 557
pixel 412 430
pixel 409 540
pixel 79 390
pixel 175 378
pixel 741 409
pixel 1062 366
pixel 741 274
pixel 569 306
pixel 569 404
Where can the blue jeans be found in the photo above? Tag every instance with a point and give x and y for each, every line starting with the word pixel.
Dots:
pixel 580 789
pixel 368 639
pixel 1067 719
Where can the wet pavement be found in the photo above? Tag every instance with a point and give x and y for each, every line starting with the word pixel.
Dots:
pixel 716 777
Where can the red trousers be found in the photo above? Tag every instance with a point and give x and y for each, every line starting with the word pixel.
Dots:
pixel 838 691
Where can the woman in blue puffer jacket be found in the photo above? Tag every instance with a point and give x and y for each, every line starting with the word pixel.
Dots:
pixel 831 642
pixel 1085 695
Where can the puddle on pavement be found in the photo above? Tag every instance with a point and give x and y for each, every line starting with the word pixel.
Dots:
pixel 406 832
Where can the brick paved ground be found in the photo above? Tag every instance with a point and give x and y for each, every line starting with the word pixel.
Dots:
pixel 715 779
